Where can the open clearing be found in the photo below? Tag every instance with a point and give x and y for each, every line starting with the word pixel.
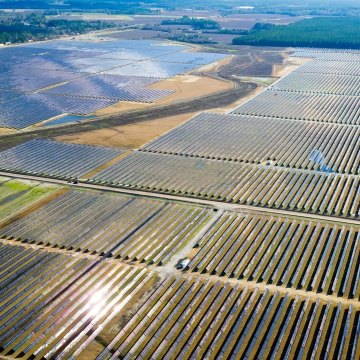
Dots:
pixel 289 65
pixel 130 136
pixel 5 130
pixel 190 86
pixel 185 86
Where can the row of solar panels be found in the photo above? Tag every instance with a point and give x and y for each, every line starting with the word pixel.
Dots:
pixel 259 184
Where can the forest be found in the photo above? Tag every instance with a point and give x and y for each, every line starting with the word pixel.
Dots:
pixel 21 28
pixel 335 32
pixel 195 23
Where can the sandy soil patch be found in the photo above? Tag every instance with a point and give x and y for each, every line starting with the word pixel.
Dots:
pixel 289 65
pixel 185 87
pixel 130 136
pixel 213 67
pixel 6 131
pixel 120 107
pixel 190 86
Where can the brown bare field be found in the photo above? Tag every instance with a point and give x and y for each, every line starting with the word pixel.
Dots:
pixel 240 21
pixel 247 21
pixel 190 86
pixel 279 70
pixel 5 130
pixel 288 66
pixel 130 136
pixel 120 107
pixel 185 86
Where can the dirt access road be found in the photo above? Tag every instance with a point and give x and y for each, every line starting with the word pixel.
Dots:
pixel 196 201
pixel 215 100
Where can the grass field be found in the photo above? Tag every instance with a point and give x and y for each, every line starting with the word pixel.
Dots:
pixel 16 195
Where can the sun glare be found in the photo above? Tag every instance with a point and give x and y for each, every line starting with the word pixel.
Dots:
pixel 96 302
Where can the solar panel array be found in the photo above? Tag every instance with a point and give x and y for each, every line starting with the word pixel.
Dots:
pixel 6 95
pixel 115 87
pixel 258 140
pixel 52 158
pixel 302 254
pixel 191 58
pixel 133 229
pixel 302 164
pixel 295 286
pixel 95 65
pixel 319 83
pixel 84 69
pixel 30 79
pixel 330 67
pixel 109 45
pixel 303 106
pixel 328 55
pixel 201 319
pixel 56 304
pixel 260 185
pixel 152 69
pixel 29 109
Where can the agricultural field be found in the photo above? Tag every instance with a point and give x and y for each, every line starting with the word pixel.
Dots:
pixel 125 227
pixel 260 185
pixel 303 106
pixel 56 159
pixel 80 77
pixel 264 140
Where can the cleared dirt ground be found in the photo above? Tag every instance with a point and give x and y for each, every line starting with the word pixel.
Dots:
pixel 185 86
pixel 5 131
pixel 130 136
pixel 133 136
pixel 190 86
pixel 289 65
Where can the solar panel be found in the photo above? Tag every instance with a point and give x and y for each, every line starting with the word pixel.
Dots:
pixel 34 79
pixel 29 109
pixel 114 87
pixel 122 71
pixel 198 58
pixel 44 157
pixel 152 69
pixel 5 95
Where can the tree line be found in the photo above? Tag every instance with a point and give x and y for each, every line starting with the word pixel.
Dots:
pixel 35 26
pixel 338 32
